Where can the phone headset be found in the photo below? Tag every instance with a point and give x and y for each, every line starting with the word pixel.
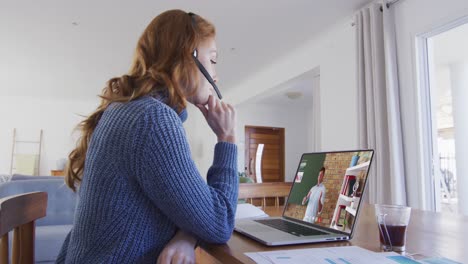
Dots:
pixel 200 66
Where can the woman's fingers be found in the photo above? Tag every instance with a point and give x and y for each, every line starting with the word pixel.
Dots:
pixel 226 107
pixel 203 110
pixel 211 102
pixel 165 257
pixel 220 117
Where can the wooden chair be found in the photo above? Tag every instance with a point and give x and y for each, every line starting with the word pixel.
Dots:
pixel 18 213
pixel 264 190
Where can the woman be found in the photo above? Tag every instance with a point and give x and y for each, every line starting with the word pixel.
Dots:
pixel 141 197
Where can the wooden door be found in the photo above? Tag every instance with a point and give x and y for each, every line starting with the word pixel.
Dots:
pixel 273 153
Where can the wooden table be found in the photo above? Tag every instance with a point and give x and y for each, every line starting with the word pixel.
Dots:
pixel 430 234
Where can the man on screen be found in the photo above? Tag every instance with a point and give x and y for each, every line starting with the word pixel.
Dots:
pixel 315 199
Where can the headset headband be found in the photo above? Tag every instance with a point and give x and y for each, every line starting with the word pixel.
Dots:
pixel 200 66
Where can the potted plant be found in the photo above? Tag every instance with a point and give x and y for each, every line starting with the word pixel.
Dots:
pixel 243 178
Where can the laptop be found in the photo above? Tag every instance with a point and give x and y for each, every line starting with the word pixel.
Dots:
pixel 323 203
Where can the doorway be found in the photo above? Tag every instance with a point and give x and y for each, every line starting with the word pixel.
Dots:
pixel 443 66
pixel 271 163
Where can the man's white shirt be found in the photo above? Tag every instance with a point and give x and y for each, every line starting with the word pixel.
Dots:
pixel 313 205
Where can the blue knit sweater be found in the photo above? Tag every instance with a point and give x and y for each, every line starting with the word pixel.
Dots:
pixel 140 186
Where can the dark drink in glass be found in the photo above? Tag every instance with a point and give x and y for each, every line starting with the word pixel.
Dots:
pixel 397 236
pixel 392 221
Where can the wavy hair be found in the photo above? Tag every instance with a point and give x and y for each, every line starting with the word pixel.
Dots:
pixel 162 64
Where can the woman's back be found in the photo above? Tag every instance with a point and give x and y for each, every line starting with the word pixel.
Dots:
pixel 137 169
pixel 142 198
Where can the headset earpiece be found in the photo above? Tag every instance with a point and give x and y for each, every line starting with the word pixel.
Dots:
pixel 200 66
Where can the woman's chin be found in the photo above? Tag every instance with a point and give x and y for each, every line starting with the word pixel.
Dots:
pixel 203 101
pixel 192 101
pixel 198 102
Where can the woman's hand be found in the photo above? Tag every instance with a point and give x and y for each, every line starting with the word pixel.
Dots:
pixel 221 117
pixel 180 250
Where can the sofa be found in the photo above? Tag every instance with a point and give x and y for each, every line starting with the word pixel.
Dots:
pixel 52 229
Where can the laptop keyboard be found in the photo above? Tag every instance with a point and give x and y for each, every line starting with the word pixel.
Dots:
pixel 290 227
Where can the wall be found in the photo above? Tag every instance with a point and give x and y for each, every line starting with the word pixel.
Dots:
pixel 290 118
pixel 201 139
pixel 430 15
pixel 337 164
pixel 57 118
pixel 334 52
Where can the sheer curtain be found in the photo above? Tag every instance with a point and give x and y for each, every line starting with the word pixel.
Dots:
pixel 378 103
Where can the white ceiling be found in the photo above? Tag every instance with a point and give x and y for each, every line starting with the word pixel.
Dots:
pixel 43 54
pixel 277 96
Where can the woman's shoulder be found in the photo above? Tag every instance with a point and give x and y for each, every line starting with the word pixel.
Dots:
pixel 157 111
pixel 148 101
pixel 155 118
pixel 140 106
pixel 155 106
pixel 147 110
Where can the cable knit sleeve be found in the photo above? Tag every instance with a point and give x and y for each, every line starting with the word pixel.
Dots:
pixel 168 176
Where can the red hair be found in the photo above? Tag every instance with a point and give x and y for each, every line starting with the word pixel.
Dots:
pixel 162 64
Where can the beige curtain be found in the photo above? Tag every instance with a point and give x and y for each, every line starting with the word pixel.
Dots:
pixel 378 103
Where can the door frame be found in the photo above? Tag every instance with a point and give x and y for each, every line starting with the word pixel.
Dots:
pixel 428 149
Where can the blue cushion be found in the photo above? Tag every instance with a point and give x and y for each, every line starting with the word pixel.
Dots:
pixel 49 240
pixel 54 227
pixel 60 203
pixel 21 177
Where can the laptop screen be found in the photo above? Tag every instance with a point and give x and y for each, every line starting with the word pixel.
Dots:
pixel 328 187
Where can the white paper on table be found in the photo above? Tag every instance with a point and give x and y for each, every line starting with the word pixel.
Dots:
pixel 249 211
pixel 330 255
pixel 258 258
